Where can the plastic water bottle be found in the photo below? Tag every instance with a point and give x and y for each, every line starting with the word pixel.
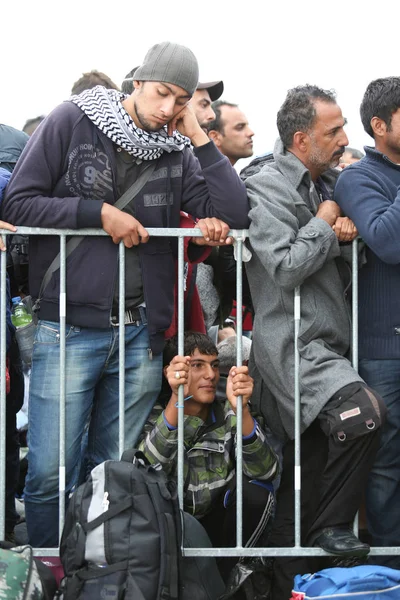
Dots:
pixel 19 315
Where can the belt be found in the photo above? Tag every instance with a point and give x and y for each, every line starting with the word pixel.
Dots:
pixel 131 317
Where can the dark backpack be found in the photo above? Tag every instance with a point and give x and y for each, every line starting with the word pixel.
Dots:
pixel 122 534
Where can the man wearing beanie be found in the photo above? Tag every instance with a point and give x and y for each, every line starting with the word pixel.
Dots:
pixel 205 94
pixel 87 153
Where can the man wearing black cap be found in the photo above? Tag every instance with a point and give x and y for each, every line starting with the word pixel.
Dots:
pixel 86 155
pixel 201 101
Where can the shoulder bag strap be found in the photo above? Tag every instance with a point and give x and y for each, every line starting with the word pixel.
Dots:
pixel 74 242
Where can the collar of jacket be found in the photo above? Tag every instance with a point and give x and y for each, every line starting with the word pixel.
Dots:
pixel 374 154
pixel 296 172
pixel 216 418
pixel 290 166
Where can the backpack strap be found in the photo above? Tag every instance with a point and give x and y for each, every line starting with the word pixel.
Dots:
pixel 74 242
pixel 170 527
pixel 107 515
pixel 94 572
pixel 72 586
pixel 132 453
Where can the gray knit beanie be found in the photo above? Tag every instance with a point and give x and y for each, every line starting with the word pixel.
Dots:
pixel 170 63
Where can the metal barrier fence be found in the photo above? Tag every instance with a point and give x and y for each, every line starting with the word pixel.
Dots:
pixel 239 237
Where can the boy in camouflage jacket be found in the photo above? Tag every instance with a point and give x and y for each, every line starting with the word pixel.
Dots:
pixel 210 442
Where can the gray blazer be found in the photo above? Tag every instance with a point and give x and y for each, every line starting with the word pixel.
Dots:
pixel 291 247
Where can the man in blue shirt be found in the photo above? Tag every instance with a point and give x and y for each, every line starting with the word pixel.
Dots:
pixel 369 193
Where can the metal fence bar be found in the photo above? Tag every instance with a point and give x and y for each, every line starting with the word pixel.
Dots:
pixel 272 552
pixel 181 352
pixel 153 231
pixel 297 417
pixel 354 329
pixel 121 348
pixel 3 342
pixel 63 315
pixel 239 409
pixel 354 304
pixel 275 552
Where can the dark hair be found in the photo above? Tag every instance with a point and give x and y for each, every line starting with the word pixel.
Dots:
pixel 127 84
pixel 381 99
pixel 90 80
pixel 298 113
pixel 217 124
pixel 192 341
pixel 354 152
pixel 31 124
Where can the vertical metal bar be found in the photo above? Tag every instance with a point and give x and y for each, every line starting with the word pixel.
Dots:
pixel 239 412
pixel 3 343
pixel 181 350
pixel 354 304
pixel 354 330
pixel 121 332
pixel 63 314
pixel 297 416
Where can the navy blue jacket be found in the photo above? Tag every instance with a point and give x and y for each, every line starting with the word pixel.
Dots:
pixel 12 142
pixel 369 193
pixel 67 171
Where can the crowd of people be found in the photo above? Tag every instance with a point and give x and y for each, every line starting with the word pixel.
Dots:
pixel 167 144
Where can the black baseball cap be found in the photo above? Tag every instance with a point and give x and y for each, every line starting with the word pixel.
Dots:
pixel 214 88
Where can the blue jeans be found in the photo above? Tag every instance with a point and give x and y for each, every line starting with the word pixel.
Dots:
pixel 383 489
pixel 92 384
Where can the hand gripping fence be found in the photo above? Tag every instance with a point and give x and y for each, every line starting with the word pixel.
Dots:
pixel 239 236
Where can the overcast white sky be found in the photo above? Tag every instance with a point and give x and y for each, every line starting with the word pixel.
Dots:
pixel 259 48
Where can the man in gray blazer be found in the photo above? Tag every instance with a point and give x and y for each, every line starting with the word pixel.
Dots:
pixel 297 235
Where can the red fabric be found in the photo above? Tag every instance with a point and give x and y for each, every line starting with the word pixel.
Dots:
pixel 194 320
pixel 7 376
pixel 54 563
pixel 248 319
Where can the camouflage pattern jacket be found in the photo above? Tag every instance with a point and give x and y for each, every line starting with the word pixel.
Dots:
pixel 209 454
pixel 19 577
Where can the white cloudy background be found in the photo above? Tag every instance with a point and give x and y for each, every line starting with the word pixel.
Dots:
pixel 259 48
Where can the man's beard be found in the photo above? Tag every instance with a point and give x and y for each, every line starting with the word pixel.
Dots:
pixel 204 127
pixel 144 124
pixel 322 162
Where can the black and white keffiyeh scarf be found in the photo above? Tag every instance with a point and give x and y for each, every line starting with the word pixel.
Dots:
pixel 104 108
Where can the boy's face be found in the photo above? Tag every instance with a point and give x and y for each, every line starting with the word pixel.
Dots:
pixel 204 377
pixel 155 104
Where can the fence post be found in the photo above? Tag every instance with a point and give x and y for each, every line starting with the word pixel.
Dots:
pixel 297 417
pixel 121 347
pixel 63 316
pixel 239 410
pixel 3 344
pixel 181 351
